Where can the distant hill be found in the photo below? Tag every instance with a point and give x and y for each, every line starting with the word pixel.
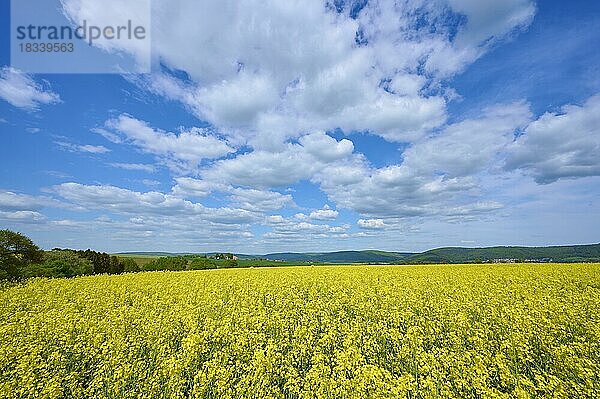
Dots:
pixel 570 253
pixel 153 254
pixel 340 257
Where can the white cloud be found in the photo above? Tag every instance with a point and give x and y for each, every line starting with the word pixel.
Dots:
pixel 266 71
pixel 470 146
pixel 325 148
pixel 560 145
pixel 114 138
pixel 259 200
pixel 284 229
pixel 293 163
pixel 115 13
pixel 324 214
pixel 273 77
pixel 134 166
pixel 371 224
pixel 11 201
pixel 438 175
pixel 188 187
pixel 238 102
pixel 122 201
pixel 22 216
pixel 150 182
pixel 184 150
pixel 244 198
pixel 489 20
pixel 20 90
pixel 275 219
pixel 91 149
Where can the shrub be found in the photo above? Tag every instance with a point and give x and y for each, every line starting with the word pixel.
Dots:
pixel 202 264
pixel 16 252
pixel 130 265
pixel 172 263
pixel 60 264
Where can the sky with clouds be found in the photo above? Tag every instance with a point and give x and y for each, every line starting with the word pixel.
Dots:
pixel 314 125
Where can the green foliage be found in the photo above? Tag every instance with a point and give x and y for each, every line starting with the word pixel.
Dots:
pixel 16 252
pixel 566 254
pixel 573 253
pixel 116 266
pixel 102 262
pixel 228 263
pixel 170 263
pixel 60 264
pixel 130 265
pixel 202 263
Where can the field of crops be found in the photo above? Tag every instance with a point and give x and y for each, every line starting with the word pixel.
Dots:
pixel 307 332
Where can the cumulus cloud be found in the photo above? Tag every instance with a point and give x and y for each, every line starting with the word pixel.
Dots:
pixel 11 202
pixel 278 69
pixel 284 229
pixel 470 146
pixel 115 13
pixel 295 162
pixel 438 175
pixel 22 216
pixel 259 200
pixel 181 151
pixel 18 208
pixel 20 90
pixel 244 198
pixel 272 78
pixel 152 203
pixel 326 213
pixel 371 224
pixel 189 187
pixel 560 145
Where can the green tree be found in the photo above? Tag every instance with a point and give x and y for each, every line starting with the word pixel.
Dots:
pixel 60 264
pixel 201 264
pixel 130 265
pixel 229 263
pixel 172 263
pixel 16 252
pixel 116 266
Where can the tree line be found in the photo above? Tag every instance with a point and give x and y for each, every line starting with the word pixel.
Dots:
pixel 21 258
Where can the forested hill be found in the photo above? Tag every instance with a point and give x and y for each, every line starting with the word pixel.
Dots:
pixel 341 257
pixel 571 253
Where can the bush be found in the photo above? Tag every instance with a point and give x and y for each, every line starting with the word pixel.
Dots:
pixel 130 265
pixel 171 263
pixel 229 263
pixel 16 252
pixel 202 264
pixel 60 264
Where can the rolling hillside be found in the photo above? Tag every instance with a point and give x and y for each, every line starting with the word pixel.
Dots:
pixel 572 253
pixel 341 257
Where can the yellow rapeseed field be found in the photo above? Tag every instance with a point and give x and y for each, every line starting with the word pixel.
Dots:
pixel 466 331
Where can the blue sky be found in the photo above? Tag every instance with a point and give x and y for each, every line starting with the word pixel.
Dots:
pixel 270 127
